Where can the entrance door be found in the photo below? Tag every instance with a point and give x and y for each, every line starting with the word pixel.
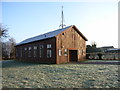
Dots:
pixel 73 55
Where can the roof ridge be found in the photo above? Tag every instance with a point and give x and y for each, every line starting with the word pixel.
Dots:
pixel 43 36
pixel 49 32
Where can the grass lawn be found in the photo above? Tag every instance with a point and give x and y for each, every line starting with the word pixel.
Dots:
pixel 30 75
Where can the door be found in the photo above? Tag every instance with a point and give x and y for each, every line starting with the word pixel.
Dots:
pixel 73 55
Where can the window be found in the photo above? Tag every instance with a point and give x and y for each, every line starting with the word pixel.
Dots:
pixel 49 45
pixel 41 46
pixel 82 52
pixel 35 51
pixel 49 53
pixel 41 50
pixel 60 52
pixel 29 52
pixel 25 49
pixel 65 52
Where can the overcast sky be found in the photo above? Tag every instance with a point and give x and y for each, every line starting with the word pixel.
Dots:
pixel 98 21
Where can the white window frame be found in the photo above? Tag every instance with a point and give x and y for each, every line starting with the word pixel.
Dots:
pixel 29 51
pixel 65 52
pixel 49 53
pixel 49 45
pixel 35 47
pixel 35 51
pixel 60 52
pixel 41 50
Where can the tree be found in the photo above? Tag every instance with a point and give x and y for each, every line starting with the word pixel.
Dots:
pixel 12 45
pixel 3 31
pixel 94 44
pixel 92 48
pixel 8 49
pixel 6 46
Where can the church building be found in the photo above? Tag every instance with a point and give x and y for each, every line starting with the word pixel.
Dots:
pixel 60 46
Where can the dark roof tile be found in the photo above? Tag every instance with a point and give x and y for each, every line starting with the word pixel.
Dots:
pixel 43 36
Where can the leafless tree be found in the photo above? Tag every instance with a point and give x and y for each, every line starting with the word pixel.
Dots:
pixel 93 44
pixel 3 31
pixel 8 49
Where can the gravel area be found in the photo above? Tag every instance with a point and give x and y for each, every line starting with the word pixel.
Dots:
pixel 30 75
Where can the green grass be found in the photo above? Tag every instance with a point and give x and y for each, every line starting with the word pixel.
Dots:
pixel 31 75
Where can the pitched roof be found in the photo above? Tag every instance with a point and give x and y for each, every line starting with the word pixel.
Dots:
pixel 47 35
pixel 43 36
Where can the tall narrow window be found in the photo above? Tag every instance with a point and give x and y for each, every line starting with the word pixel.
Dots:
pixel 49 53
pixel 65 52
pixel 41 50
pixel 29 52
pixel 35 51
pixel 83 52
pixel 60 52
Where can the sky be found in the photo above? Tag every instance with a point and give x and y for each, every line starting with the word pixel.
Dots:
pixel 98 21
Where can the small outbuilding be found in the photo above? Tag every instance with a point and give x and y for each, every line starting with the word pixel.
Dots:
pixel 60 46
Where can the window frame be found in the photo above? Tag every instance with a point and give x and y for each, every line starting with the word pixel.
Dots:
pixel 41 50
pixel 25 52
pixel 29 51
pixel 65 52
pixel 49 46
pixel 35 51
pixel 60 52
pixel 49 53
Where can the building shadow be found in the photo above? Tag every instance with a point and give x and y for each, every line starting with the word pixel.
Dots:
pixel 14 63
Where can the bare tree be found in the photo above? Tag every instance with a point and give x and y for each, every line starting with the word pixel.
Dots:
pixel 3 31
pixel 8 49
pixel 0 49
pixel 93 44
pixel 12 45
